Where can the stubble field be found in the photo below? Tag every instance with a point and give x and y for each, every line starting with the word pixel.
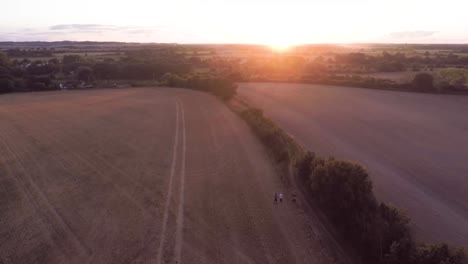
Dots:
pixel 150 175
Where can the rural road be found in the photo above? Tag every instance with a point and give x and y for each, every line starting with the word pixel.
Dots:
pixel 414 145
pixel 147 175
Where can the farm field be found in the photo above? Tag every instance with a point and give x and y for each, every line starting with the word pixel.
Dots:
pixel 147 175
pixel 414 145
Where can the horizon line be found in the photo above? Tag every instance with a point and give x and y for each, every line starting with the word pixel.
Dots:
pixel 249 44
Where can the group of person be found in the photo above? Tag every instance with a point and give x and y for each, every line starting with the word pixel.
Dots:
pixel 276 196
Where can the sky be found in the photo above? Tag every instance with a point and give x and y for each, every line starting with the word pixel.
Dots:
pixel 280 23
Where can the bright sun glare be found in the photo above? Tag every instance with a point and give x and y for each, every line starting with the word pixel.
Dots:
pixel 280 47
pixel 281 39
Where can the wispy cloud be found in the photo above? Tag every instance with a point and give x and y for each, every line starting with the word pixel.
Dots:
pixel 89 28
pixel 77 26
pixel 80 31
pixel 418 34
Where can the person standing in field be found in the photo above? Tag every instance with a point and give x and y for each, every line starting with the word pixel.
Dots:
pixel 281 196
pixel 275 198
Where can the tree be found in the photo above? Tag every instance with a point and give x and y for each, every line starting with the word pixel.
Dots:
pixel 3 59
pixel 6 85
pixel 69 59
pixel 344 189
pixel 106 70
pixel 85 73
pixel 438 254
pixel 37 86
pixel 54 61
pixel 423 82
pixel 304 167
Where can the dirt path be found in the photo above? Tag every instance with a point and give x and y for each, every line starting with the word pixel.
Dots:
pixel 413 144
pixel 141 176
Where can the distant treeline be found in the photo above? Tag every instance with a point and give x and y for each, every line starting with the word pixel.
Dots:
pixel 378 232
pixel 37 69
pixel 171 69
pixel 25 75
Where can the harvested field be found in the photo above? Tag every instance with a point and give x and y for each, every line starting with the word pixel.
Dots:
pixel 151 175
pixel 414 145
pixel 398 77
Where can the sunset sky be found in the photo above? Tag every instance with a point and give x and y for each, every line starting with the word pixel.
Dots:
pixel 241 21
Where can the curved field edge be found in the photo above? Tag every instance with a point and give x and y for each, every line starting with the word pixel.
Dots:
pixel 370 232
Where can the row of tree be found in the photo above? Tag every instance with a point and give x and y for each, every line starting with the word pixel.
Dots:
pixel 152 64
pixel 223 87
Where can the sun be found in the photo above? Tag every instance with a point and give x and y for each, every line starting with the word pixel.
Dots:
pixel 280 47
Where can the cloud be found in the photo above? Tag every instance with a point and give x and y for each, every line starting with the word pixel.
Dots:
pixel 76 26
pixel 100 28
pixel 411 34
pixel 84 31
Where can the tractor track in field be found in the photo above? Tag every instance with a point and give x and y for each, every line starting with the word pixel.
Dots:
pixel 180 210
pixel 167 203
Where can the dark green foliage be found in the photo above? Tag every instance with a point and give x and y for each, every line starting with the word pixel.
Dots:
pixel 40 69
pixel 85 73
pixel 37 86
pixel 305 166
pixel 3 59
pixel 400 252
pixel 269 133
pixel 344 190
pixel 423 82
pixel 6 85
pixel 70 59
pixel 438 254
pixel 37 52
pixel 137 71
pixel 54 61
pixel 106 70
pixel 221 87
pixel 394 225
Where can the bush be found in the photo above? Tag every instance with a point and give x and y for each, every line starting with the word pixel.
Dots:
pixel 438 254
pixel 268 132
pixel 6 85
pixel 305 166
pixel 344 192
pixel 423 82
pixel 70 59
pixel 222 87
pixel 85 73
pixel 37 86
